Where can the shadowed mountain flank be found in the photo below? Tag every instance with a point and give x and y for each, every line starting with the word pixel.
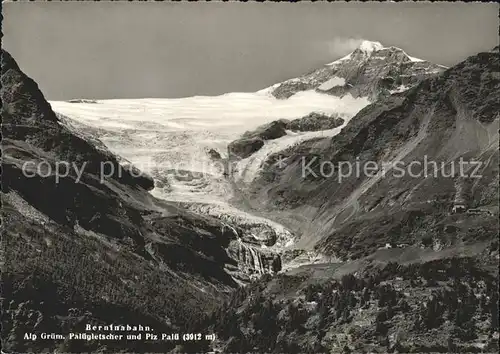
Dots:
pixel 84 245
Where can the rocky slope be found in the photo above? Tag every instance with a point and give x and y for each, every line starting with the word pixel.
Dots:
pixel 79 247
pixel 444 119
pixel 315 122
pixel 371 70
pixel 425 228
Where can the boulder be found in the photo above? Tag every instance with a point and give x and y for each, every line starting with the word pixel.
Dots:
pixel 214 154
pixel 243 148
pixel 252 141
pixel 269 131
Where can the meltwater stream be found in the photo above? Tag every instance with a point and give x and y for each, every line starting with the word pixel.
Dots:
pixel 170 139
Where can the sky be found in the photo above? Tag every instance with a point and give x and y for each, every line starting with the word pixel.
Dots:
pixel 159 49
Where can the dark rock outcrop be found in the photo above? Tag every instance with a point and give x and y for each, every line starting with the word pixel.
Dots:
pixel 269 131
pixel 245 147
pixel 252 141
pixel 315 122
pixel 214 154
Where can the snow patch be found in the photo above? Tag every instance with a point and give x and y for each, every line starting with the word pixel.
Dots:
pixel 333 82
pixel 414 59
pixel 399 89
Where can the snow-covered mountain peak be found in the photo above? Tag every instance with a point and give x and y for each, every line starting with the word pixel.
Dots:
pixel 372 70
pixel 368 50
pixel 370 46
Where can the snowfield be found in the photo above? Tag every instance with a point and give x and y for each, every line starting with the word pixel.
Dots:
pixel 170 139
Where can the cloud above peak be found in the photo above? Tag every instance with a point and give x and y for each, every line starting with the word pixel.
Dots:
pixel 341 46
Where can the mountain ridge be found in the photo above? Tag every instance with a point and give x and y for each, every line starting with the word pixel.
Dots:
pixel 387 68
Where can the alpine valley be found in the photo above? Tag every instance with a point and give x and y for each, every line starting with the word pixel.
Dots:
pixel 194 215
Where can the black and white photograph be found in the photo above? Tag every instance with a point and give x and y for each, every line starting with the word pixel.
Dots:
pixel 249 177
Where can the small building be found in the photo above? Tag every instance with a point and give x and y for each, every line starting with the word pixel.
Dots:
pixel 458 208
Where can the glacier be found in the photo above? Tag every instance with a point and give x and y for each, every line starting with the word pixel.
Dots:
pixel 169 139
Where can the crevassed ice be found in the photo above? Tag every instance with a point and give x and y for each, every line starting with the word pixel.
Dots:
pixel 163 135
pixel 170 138
pixel 414 59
